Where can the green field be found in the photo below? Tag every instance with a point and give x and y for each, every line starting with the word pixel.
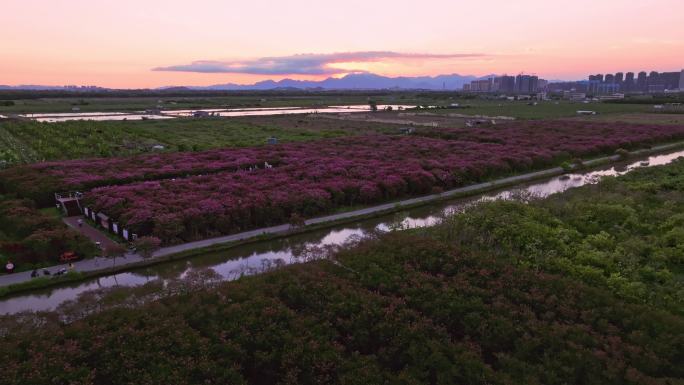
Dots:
pixel 29 141
pixel 543 109
pixel 638 118
pixel 266 99
pixel 26 141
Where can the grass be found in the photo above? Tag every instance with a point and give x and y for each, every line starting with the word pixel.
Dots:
pixel 41 282
pixel 638 118
pixel 53 212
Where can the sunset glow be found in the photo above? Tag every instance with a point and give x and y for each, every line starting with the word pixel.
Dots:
pixel 119 43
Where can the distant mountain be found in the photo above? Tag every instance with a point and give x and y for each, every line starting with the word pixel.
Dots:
pixel 355 81
pixel 37 87
pixel 360 81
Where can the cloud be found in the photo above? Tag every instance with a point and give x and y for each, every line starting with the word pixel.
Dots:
pixel 305 64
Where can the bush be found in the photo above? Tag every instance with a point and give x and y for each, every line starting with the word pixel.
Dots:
pixel 624 154
pixel 32 238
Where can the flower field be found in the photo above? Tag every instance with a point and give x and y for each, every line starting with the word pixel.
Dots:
pixel 192 195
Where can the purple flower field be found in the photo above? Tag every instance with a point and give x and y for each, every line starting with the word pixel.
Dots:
pixel 191 195
pixel 314 178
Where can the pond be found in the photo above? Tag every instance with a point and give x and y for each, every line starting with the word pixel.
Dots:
pixel 220 112
pixel 284 110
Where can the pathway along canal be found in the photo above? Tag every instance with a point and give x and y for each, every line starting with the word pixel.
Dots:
pixel 249 258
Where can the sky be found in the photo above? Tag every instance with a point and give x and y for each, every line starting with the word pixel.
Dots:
pixel 152 43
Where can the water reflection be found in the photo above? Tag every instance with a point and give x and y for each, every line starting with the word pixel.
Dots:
pixel 282 110
pixel 250 258
pixel 103 118
pixel 222 112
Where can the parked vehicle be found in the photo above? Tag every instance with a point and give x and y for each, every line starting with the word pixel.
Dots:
pixel 68 256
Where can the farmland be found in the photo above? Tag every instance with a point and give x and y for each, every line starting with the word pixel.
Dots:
pixel 29 141
pixel 588 280
pixel 579 288
pixel 641 118
pixel 46 101
pixel 543 109
pixel 165 195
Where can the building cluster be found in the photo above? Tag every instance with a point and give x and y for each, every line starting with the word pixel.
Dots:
pixel 609 84
pixel 643 82
pixel 521 84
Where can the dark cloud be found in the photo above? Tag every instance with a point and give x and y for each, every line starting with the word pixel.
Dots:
pixel 303 64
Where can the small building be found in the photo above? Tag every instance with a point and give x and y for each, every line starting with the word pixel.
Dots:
pixel 158 147
pixel 574 96
pixel 407 130
pixel 615 96
pixel 272 140
pixel 200 114
pixel 102 220
pixel 586 112
pixel 670 107
pixel 69 203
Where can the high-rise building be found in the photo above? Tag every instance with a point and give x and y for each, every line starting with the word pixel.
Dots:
pixel 654 78
pixel 670 80
pixel 619 78
pixel 681 81
pixel 484 85
pixel 629 81
pixel 542 85
pixel 599 77
pixel 609 79
pixel 642 81
pixel 526 84
pixel 504 84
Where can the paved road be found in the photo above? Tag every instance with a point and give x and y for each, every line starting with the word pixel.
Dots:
pixel 131 258
pixel 89 231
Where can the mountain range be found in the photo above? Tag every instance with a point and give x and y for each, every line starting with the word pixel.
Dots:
pixel 354 81
pixel 358 81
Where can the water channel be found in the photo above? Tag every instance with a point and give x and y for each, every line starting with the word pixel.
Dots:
pixel 231 263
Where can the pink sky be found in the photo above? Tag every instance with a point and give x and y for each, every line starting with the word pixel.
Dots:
pixel 117 43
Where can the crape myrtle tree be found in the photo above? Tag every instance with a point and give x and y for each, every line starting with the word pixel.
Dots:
pixel 114 251
pixel 146 246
